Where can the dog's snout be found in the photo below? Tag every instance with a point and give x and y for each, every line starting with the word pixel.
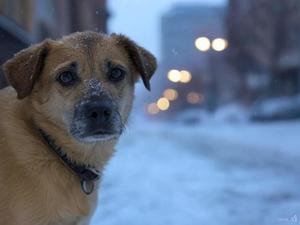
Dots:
pixel 99 112
pixel 97 116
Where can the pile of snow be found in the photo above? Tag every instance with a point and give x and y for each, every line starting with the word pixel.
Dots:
pixel 231 113
pixel 227 113
pixel 193 116
pixel 273 109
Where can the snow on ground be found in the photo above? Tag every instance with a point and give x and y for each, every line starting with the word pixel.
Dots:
pixel 209 174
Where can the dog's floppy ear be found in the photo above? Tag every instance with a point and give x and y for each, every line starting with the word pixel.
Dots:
pixel 23 69
pixel 143 60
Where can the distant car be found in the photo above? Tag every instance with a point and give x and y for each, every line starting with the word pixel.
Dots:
pixel 192 116
pixel 277 109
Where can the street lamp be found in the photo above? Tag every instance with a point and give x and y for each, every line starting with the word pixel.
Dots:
pixel 163 104
pixel 185 76
pixel 219 44
pixel 203 44
pixel 152 109
pixel 170 94
pixel 194 98
pixel 174 76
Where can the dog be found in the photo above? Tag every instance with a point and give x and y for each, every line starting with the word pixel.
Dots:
pixel 67 105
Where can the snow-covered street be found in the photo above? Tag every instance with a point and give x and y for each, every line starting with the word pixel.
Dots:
pixel 226 174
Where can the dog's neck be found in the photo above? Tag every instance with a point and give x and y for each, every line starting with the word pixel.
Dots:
pixel 87 174
pixel 95 154
pixel 85 155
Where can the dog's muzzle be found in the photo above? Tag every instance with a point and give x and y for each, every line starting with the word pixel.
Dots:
pixel 96 119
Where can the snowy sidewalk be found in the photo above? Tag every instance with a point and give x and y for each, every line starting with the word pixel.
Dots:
pixel 164 175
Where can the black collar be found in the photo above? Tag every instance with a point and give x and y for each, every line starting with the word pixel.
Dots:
pixel 87 174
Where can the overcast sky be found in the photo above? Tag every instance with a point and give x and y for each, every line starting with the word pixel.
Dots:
pixel 140 19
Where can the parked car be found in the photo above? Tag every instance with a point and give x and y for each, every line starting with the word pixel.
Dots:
pixel 277 109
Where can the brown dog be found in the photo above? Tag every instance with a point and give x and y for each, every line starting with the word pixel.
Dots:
pixel 74 97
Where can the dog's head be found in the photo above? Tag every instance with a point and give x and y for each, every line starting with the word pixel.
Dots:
pixel 83 83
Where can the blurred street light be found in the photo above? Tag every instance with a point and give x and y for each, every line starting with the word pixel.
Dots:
pixel 203 44
pixel 219 44
pixel 194 98
pixel 174 76
pixel 170 94
pixel 152 109
pixel 185 76
pixel 163 104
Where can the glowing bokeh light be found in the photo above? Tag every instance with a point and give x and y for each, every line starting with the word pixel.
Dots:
pixel 170 94
pixel 163 104
pixel 152 109
pixel 185 76
pixel 219 44
pixel 203 44
pixel 194 98
pixel 174 76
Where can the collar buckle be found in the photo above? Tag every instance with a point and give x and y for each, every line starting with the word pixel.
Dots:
pixel 87 179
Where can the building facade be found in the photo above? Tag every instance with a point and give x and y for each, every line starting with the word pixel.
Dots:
pixel 180 28
pixel 264 38
pixel 23 22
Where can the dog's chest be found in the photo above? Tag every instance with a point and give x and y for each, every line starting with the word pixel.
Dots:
pixel 60 201
pixel 72 221
pixel 73 208
pixel 68 211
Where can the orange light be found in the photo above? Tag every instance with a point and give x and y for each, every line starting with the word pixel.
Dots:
pixel 170 94
pixel 194 98
pixel 163 104
pixel 185 76
pixel 203 44
pixel 152 109
pixel 174 76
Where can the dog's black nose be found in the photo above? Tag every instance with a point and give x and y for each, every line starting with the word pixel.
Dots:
pixel 98 112
pixel 95 117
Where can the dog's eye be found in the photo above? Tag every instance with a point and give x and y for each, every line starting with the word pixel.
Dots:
pixel 66 78
pixel 116 74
